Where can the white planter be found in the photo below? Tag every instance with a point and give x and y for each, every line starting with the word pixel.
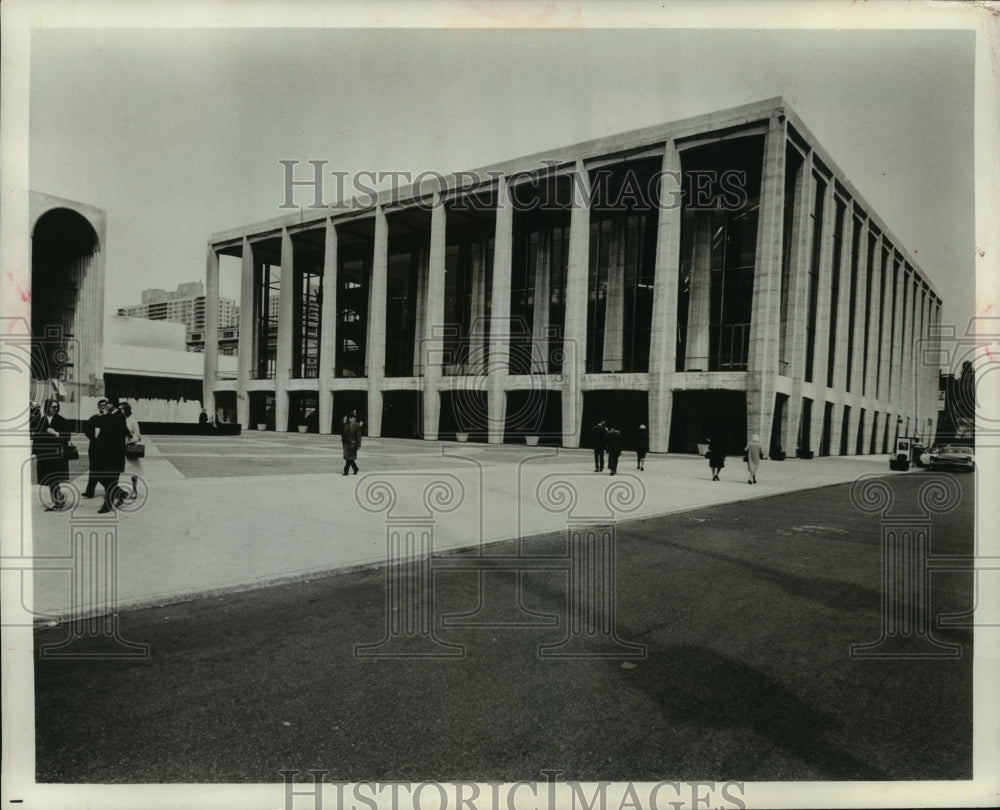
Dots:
pixel 531 440
pixel 303 428
pixel 462 437
pixel 261 426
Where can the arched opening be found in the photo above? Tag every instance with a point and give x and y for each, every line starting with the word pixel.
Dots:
pixel 66 304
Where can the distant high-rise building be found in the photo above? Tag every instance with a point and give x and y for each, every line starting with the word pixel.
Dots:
pixel 184 305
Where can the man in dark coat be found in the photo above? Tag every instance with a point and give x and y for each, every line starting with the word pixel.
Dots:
pixel 90 429
pixel 350 437
pixel 50 439
pixel 111 439
pixel 614 448
pixel 599 438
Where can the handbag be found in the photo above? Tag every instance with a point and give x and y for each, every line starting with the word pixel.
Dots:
pixel 72 454
pixel 135 450
pixel 746 457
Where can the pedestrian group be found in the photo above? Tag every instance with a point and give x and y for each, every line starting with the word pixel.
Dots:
pixel 110 431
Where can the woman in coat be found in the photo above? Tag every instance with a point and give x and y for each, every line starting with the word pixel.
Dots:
pixel 132 463
pixel 753 456
pixel 350 437
pixel 51 440
pixel 641 446
pixel 716 457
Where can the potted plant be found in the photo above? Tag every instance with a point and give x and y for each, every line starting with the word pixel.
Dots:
pixel 531 441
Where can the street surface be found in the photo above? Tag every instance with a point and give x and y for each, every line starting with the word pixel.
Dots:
pixel 747 613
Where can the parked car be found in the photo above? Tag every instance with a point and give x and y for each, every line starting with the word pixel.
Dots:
pixel 951 457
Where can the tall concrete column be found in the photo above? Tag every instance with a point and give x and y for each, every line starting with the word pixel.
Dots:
pixel 822 334
pixel 857 381
pixel 844 305
pixel 840 342
pixel 328 330
pixel 286 312
pixel 377 308
pixel 874 295
pixel 824 298
pixel 864 430
pixel 420 316
pixel 248 326
pixel 211 329
pixel 575 327
pixel 926 372
pixel 886 331
pixel 896 357
pixel 854 428
pixel 614 303
pixel 765 318
pixel 697 343
pixel 540 319
pixel 478 349
pixel 663 328
pixel 914 370
pixel 876 422
pixel 934 329
pixel 434 324
pixel 906 401
pixel 798 304
pixel 499 355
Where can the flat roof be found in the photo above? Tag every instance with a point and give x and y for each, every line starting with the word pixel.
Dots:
pixel 550 160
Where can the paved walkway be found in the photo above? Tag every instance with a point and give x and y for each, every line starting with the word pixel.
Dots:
pixel 220 513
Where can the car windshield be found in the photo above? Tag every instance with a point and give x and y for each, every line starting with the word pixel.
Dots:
pixel 955 451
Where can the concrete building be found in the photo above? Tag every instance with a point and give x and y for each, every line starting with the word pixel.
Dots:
pixel 67 302
pixel 717 275
pixel 184 305
pixel 77 354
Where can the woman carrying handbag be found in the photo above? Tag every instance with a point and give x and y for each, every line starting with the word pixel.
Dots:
pixel 134 450
pixel 51 446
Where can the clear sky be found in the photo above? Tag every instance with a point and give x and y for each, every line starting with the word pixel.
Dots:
pixel 177 133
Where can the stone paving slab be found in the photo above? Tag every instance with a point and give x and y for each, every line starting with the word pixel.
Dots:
pixel 215 520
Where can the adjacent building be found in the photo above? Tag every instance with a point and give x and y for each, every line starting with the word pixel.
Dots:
pixel 67 305
pixel 184 305
pixel 717 275
pixel 77 354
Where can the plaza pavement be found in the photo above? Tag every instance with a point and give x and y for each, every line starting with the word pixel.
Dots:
pixel 227 513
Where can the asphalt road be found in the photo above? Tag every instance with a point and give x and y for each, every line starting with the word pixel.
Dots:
pixel 746 613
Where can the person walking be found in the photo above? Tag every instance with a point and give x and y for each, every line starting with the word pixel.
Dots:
pixel 50 441
pixel 716 457
pixel 111 438
pixel 599 437
pixel 132 463
pixel 90 430
pixel 614 448
pixel 350 437
pixel 752 455
pixel 641 446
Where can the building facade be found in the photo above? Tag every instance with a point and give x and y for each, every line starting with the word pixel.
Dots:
pixel 714 276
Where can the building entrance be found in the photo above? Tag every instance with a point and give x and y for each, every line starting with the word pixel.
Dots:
pixel 722 415
pixel 626 409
